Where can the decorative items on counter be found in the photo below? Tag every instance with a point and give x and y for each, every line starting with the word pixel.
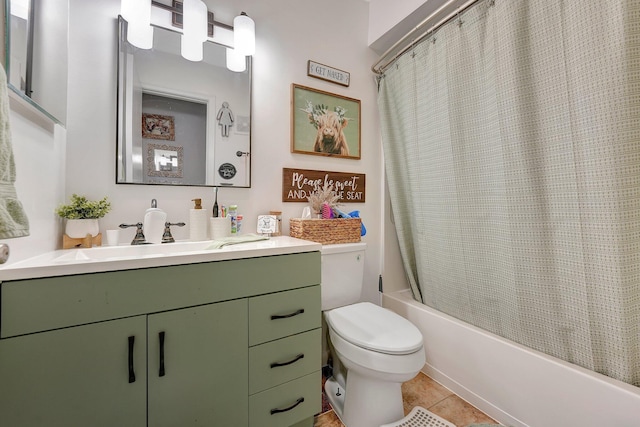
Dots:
pixel 225 222
pixel 82 228
pixel 153 223
pixel 198 222
pixel 278 216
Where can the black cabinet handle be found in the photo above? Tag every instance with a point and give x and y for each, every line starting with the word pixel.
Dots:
pixel 277 410
pixel 294 360
pixel 161 337
pixel 285 316
pixel 132 374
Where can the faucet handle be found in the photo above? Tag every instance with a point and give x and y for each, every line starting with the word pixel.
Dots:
pixel 139 239
pixel 167 237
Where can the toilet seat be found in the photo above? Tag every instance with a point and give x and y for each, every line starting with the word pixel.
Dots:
pixel 374 328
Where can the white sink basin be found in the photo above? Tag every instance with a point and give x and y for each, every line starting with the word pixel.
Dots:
pixel 106 253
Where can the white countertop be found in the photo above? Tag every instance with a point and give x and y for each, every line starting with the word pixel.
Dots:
pixel 66 262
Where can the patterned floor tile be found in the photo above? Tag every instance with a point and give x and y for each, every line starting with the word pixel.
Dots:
pixel 425 392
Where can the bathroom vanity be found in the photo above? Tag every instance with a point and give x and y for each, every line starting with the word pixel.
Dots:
pixel 226 337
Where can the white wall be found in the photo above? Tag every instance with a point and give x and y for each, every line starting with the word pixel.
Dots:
pixel 390 21
pixel 40 162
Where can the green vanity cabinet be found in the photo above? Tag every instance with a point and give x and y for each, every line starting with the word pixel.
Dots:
pixel 197 370
pixel 75 376
pixel 184 345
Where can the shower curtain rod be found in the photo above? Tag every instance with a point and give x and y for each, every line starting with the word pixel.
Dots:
pixel 459 5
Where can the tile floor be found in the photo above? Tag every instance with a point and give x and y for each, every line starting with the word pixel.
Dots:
pixel 425 392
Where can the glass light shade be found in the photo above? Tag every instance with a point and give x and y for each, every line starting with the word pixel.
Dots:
pixel 137 13
pixel 191 48
pixel 236 61
pixel 194 29
pixel 140 36
pixel 244 35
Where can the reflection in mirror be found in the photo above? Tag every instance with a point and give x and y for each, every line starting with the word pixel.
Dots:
pixel 36 54
pixel 181 122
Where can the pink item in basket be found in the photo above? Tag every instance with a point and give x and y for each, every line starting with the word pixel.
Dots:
pixel 327 212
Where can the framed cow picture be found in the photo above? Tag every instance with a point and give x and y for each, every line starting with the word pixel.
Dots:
pixel 324 124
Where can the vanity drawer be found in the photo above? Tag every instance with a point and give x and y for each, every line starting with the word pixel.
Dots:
pixel 283 360
pixel 288 403
pixel 282 314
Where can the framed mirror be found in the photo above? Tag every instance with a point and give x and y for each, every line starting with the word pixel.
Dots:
pixel 181 122
pixel 36 54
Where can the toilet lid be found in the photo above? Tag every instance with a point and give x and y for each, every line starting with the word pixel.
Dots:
pixel 375 328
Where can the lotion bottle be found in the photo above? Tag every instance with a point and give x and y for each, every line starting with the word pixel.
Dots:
pixel 153 223
pixel 198 221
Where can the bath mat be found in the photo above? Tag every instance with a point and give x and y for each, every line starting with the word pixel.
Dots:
pixel 420 417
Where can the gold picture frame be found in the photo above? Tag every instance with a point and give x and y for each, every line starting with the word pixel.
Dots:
pixel 157 126
pixel 324 123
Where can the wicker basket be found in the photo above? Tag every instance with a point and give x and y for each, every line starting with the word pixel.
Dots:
pixel 326 231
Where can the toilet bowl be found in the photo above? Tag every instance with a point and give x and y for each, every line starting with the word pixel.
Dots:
pixel 373 349
pixel 380 350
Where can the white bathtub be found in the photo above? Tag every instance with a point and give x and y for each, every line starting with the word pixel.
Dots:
pixel 515 385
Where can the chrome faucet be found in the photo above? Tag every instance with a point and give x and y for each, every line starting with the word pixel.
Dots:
pixel 167 237
pixel 139 239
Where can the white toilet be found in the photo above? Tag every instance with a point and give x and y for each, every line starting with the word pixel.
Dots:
pixel 374 350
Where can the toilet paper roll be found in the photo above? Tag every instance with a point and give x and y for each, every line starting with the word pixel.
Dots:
pixel 219 227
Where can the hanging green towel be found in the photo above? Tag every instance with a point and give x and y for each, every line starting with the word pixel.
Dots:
pixel 218 243
pixel 13 220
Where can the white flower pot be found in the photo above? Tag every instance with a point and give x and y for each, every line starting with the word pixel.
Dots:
pixel 78 228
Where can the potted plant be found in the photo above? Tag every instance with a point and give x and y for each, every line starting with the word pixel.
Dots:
pixel 82 215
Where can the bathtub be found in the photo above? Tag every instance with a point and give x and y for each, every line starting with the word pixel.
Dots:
pixel 515 385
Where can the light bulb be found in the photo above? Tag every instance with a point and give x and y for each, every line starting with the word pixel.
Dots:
pixel 244 35
pixel 194 29
pixel 137 13
pixel 235 61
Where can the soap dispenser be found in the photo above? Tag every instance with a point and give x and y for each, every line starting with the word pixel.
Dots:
pixel 198 221
pixel 153 223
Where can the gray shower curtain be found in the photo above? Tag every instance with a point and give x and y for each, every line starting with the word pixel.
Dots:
pixel 512 148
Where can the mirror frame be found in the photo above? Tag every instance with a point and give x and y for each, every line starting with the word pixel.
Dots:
pixel 119 164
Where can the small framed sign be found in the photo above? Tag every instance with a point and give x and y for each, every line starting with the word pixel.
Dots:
pixel 330 74
pixel 267 224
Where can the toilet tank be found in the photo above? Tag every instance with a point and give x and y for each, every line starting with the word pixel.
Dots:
pixel 342 269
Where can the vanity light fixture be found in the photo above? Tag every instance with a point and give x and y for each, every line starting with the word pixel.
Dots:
pixel 137 13
pixel 194 29
pixel 197 25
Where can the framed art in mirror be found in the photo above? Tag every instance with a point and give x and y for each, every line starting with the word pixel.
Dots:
pixel 165 161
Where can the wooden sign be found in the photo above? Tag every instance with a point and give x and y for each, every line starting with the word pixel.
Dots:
pixel 330 74
pixel 298 184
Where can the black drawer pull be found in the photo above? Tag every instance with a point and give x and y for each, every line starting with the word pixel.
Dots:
pixel 294 360
pixel 161 371
pixel 277 410
pixel 286 316
pixel 132 374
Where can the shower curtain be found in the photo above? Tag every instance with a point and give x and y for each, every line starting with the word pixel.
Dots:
pixel 512 149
